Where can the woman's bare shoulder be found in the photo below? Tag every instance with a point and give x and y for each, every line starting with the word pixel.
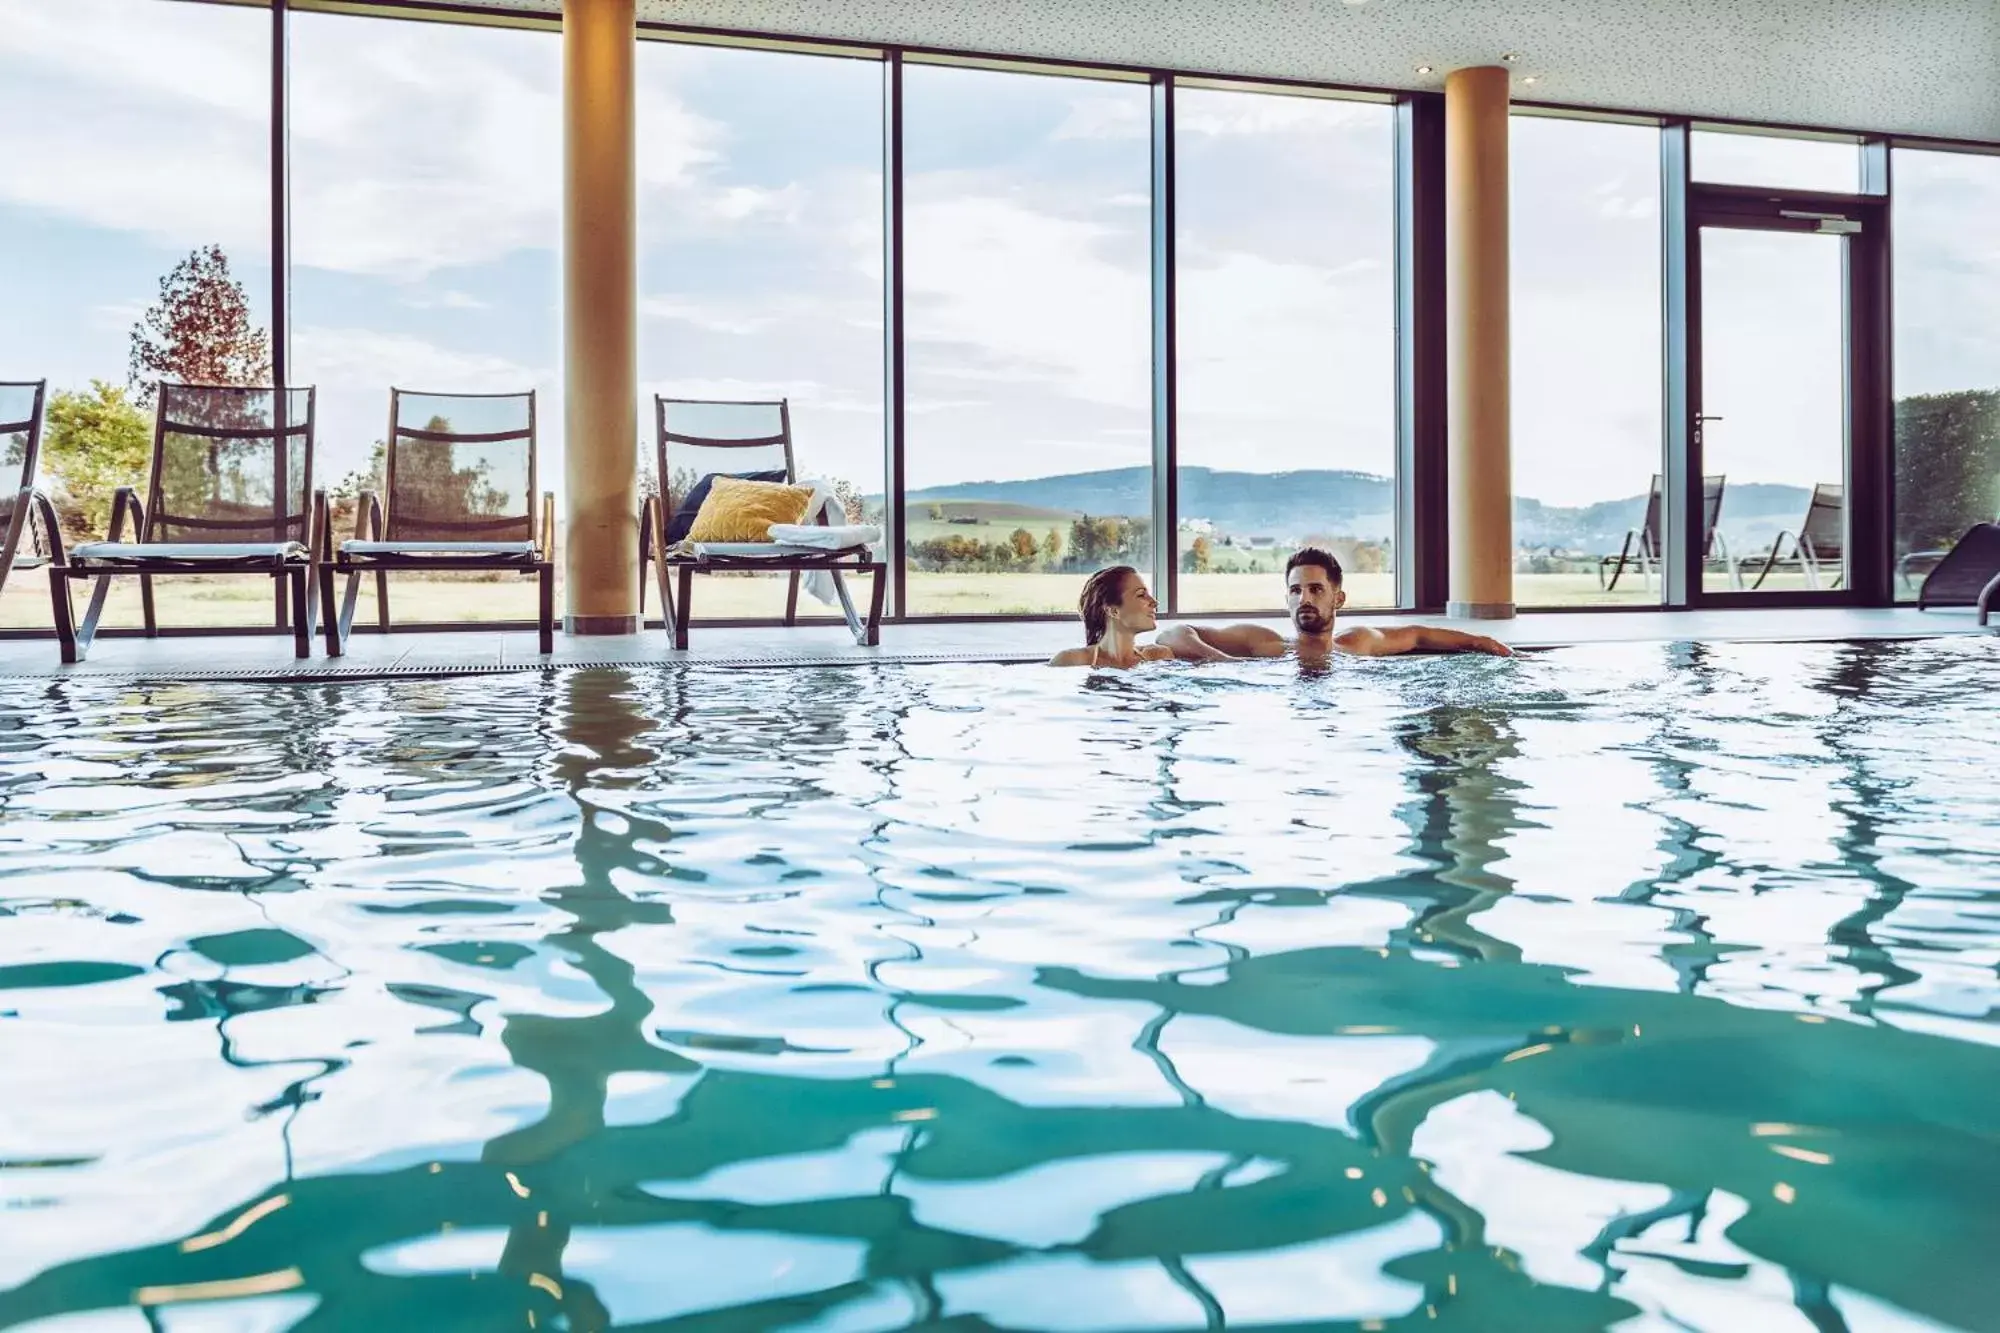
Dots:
pixel 1156 652
pixel 1071 657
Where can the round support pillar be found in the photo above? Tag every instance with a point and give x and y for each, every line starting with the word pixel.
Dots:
pixel 600 319
pixel 1481 488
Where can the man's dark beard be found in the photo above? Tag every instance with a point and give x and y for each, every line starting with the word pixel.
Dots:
pixel 1309 619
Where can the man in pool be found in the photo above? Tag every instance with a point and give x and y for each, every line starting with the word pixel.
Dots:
pixel 1313 596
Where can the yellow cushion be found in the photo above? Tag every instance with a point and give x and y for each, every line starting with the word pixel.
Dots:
pixel 743 511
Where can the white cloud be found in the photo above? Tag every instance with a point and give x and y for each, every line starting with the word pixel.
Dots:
pixel 1029 294
pixel 164 106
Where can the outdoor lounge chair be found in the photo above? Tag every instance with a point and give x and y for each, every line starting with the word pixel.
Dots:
pixel 25 516
pixel 700 440
pixel 459 494
pixel 226 494
pixel 1642 544
pixel 1967 575
pixel 1817 546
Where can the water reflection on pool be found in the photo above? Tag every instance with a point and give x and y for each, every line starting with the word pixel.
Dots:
pixel 1640 986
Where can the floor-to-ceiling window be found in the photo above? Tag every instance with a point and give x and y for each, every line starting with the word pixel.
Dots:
pixel 1587 441
pixel 760 267
pixel 1947 352
pixel 134 190
pixel 426 184
pixel 1286 256
pixel 1027 325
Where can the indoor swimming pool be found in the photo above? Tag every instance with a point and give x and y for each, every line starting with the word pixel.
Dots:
pixel 1636 986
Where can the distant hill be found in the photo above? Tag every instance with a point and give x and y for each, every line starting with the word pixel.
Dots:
pixel 1287 506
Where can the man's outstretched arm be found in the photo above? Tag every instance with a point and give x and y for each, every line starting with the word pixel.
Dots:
pixel 1370 642
pixel 1221 643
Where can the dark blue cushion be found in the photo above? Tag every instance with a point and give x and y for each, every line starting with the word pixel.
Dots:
pixel 682 522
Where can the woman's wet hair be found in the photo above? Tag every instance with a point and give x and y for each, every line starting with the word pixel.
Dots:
pixel 1101 592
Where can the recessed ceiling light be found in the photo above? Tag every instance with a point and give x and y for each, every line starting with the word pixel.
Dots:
pixel 1532 78
pixel 1423 69
pixel 1510 56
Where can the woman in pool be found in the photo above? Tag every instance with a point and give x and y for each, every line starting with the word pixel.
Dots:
pixel 1116 609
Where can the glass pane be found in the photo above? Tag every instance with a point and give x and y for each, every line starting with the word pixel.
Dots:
pixel 760 271
pixel 1947 270
pixel 426 191
pixel 1028 336
pixel 1774 392
pixel 1287 352
pixel 1725 158
pixel 1586 362
pixel 136 145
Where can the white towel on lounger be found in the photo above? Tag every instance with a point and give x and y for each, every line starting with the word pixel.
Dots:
pixel 828 538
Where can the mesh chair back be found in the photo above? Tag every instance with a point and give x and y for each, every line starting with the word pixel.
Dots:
pixel 460 467
pixel 700 439
pixel 1825 528
pixel 1651 525
pixel 20 442
pixel 1711 511
pixel 223 472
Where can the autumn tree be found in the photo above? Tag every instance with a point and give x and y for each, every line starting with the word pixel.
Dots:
pixel 1025 546
pixel 1052 550
pixel 199 332
pixel 1199 558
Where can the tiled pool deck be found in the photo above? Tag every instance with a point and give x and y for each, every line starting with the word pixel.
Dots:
pixel 269 655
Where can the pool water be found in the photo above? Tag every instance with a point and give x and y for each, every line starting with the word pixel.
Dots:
pixel 1648 987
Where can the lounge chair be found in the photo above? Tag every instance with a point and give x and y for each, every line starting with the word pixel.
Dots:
pixel 699 440
pixel 226 494
pixel 1642 544
pixel 1966 575
pixel 1817 546
pixel 459 495
pixel 25 515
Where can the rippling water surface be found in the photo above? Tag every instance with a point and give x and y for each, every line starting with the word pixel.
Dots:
pixel 1650 987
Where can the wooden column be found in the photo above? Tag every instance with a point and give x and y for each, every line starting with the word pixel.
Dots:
pixel 600 319
pixel 1481 489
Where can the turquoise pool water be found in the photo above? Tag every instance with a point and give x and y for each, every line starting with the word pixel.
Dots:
pixel 1641 987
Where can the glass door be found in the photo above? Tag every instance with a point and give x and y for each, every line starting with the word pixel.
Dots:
pixel 1783 397
pixel 1774 407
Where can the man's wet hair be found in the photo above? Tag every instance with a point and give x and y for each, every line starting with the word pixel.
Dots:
pixel 1313 555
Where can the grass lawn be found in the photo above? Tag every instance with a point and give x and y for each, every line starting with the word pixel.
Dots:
pixel 237 601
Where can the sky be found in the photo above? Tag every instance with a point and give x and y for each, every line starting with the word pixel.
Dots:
pixel 425 233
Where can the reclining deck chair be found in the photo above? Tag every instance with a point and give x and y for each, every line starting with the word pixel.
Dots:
pixel 26 517
pixel 1968 574
pixel 226 494
pixel 1817 546
pixel 698 441
pixel 1642 544
pixel 459 481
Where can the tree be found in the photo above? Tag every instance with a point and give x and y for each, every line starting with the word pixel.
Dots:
pixel 1199 557
pixel 1025 546
pixel 936 512
pixel 94 442
pixel 199 331
pixel 850 499
pixel 1052 551
pixel 1947 466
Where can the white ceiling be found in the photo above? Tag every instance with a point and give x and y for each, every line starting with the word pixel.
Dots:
pixel 1928 67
